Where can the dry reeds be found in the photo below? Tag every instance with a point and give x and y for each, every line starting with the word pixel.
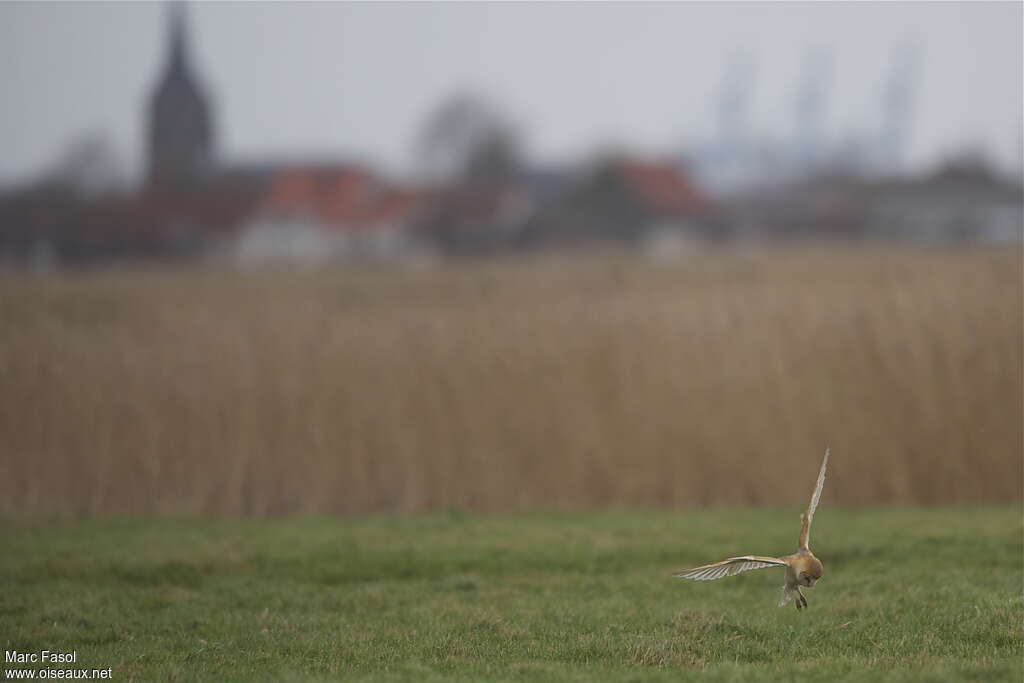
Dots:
pixel 602 381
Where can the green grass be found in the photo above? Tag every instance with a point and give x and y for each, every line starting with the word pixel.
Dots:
pixel 908 594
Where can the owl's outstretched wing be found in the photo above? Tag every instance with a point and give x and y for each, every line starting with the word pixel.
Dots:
pixel 805 518
pixel 730 567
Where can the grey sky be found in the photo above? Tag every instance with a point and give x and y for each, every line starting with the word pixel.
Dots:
pixel 356 80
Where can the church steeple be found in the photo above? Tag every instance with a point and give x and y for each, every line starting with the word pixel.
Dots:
pixel 177 36
pixel 180 121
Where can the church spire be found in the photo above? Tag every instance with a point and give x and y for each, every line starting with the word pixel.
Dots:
pixel 180 117
pixel 177 35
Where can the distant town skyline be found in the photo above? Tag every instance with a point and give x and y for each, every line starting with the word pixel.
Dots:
pixel 357 81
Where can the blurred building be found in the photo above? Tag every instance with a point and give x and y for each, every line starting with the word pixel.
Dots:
pixel 964 201
pixel 195 207
pixel 483 197
pixel 318 215
pixel 181 136
pixel 626 201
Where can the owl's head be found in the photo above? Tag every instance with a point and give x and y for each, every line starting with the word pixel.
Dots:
pixel 810 572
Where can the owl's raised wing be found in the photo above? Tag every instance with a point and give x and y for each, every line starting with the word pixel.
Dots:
pixel 730 567
pixel 805 518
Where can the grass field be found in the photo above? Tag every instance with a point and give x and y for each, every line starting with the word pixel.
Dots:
pixel 713 380
pixel 909 594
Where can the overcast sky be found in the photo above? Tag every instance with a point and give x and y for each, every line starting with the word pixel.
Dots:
pixel 355 80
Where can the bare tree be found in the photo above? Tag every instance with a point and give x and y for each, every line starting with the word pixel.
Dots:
pixel 467 140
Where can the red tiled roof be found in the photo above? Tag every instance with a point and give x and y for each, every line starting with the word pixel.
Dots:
pixel 340 197
pixel 662 186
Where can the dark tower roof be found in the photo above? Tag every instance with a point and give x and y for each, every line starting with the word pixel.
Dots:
pixel 180 119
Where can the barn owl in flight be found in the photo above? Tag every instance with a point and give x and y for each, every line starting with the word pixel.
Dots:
pixel 802 567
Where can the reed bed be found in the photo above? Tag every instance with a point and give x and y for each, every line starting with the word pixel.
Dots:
pixel 601 381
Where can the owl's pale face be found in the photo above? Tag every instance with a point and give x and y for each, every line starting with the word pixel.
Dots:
pixel 806 579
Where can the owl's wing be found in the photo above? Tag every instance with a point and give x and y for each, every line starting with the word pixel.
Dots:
pixel 805 518
pixel 730 567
